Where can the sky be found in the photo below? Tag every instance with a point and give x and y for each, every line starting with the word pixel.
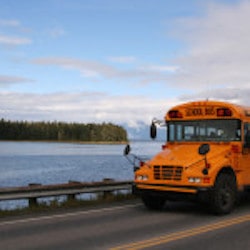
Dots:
pixel 120 61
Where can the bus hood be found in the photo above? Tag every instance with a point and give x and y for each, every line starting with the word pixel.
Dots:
pixel 186 155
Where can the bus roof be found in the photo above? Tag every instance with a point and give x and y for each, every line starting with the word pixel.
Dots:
pixel 207 109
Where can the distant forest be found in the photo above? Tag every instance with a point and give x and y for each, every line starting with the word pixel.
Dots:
pixel 60 131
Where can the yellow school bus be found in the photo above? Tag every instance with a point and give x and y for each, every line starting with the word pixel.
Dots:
pixel 206 157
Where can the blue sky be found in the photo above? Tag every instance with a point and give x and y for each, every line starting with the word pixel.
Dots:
pixel 121 61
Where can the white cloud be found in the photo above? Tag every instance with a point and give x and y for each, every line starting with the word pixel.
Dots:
pixel 86 68
pixel 82 107
pixel 9 23
pixel 56 32
pixel 123 59
pixel 9 80
pixel 218 48
pixel 160 68
pixel 11 40
pixel 94 69
pixel 10 33
pixel 233 95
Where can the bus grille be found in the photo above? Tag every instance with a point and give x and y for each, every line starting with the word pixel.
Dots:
pixel 167 173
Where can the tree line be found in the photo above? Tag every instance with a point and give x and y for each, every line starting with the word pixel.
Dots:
pixel 61 131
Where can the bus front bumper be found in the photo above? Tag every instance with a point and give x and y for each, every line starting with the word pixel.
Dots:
pixel 142 188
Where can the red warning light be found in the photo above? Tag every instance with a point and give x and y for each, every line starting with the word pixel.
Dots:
pixel 224 112
pixel 175 114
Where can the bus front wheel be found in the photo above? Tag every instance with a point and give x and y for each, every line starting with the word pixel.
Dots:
pixel 223 195
pixel 153 202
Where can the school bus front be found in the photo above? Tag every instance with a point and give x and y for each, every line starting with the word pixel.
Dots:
pixel 206 156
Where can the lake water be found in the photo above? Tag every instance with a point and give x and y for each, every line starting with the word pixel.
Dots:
pixel 22 163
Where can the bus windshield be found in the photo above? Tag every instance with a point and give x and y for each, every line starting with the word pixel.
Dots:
pixel 204 130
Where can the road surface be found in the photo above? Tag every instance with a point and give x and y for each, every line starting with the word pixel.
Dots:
pixel 129 226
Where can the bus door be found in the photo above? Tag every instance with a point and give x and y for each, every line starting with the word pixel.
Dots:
pixel 245 160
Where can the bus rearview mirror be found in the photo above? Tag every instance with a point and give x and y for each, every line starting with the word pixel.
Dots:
pixel 153 131
pixel 127 150
pixel 204 149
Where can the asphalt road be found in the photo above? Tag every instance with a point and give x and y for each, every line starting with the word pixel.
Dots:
pixel 129 226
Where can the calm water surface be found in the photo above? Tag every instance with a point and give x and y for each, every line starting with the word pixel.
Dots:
pixel 22 163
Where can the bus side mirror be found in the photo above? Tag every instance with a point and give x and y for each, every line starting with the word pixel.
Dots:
pixel 204 149
pixel 126 150
pixel 153 131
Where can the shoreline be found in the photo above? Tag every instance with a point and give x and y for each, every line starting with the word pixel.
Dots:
pixel 74 142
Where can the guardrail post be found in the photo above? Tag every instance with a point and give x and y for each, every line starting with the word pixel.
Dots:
pixel 33 202
pixel 107 194
pixel 71 197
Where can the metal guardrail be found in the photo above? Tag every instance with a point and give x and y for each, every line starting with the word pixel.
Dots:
pixel 71 189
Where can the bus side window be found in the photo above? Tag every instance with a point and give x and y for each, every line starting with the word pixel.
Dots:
pixel 247 135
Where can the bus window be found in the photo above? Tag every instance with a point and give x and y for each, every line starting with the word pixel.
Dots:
pixel 247 135
pixel 205 130
pixel 188 132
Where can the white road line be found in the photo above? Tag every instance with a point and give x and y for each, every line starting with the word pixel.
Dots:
pixel 57 216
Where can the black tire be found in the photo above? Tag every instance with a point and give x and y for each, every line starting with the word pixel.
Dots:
pixel 153 202
pixel 223 196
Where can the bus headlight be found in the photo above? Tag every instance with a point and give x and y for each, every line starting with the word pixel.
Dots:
pixel 141 177
pixel 194 180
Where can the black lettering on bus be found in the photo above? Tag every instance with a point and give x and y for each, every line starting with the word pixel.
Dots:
pixel 209 111
pixel 194 112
